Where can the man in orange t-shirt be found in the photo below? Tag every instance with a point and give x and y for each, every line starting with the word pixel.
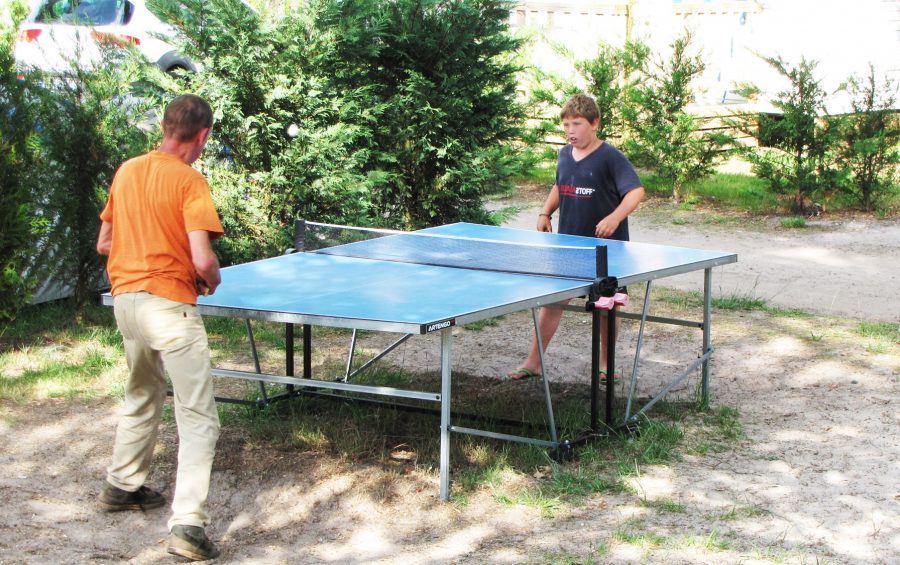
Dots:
pixel 157 229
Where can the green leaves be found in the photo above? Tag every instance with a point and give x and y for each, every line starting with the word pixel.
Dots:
pixel 807 154
pixel 396 111
pixel 868 149
pixel 16 155
pixel 439 73
pixel 660 133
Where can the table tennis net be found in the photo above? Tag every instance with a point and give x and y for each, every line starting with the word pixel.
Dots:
pixel 424 248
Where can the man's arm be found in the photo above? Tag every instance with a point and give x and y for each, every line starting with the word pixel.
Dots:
pixel 608 225
pixel 104 239
pixel 205 261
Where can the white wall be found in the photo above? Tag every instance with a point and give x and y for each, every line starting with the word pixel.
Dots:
pixel 842 35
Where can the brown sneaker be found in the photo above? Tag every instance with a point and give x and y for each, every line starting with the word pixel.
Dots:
pixel 191 542
pixel 114 499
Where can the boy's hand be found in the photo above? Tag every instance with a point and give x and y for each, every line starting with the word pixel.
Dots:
pixel 606 227
pixel 544 223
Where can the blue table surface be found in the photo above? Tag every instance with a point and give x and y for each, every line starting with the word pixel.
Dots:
pixel 332 286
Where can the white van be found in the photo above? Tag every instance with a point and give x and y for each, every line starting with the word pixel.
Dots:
pixel 57 31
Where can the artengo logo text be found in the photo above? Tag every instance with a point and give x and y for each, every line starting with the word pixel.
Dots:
pixel 575 191
pixel 437 326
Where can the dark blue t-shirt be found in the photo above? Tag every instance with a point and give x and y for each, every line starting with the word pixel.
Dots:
pixel 590 189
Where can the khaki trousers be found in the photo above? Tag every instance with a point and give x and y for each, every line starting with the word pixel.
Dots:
pixel 162 335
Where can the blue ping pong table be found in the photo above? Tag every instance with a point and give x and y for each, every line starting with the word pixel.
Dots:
pixel 443 277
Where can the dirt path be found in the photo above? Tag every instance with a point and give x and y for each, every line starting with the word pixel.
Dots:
pixel 815 479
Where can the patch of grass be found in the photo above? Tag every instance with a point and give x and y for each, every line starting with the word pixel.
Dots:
pixel 680 300
pixel 679 221
pixel 787 312
pixel 50 351
pixel 744 192
pixel 736 512
pixel 657 441
pixel 664 505
pixel 578 482
pixel 739 302
pixel 878 348
pixel 890 332
pixel 481 324
pixel 567 558
pixel 656 185
pixel 795 222
pixel 882 336
pixel 721 220
pixel 814 337
pixel 731 190
pixel 726 421
pixel 637 538
pixel 715 431
pixel 713 541
pixel 491 474
pixel 530 498
pixel 777 555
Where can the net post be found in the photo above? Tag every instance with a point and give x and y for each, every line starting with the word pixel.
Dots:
pixel 595 371
pixel 602 271
pixel 602 262
pixel 610 368
pixel 299 234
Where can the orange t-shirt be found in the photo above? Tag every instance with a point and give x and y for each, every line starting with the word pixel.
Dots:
pixel 154 201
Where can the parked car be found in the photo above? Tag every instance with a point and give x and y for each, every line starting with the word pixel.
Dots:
pixel 57 31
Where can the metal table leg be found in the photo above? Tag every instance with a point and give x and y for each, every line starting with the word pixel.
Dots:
pixel 446 343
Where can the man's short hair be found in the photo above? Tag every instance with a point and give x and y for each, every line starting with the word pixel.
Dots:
pixel 185 116
pixel 580 106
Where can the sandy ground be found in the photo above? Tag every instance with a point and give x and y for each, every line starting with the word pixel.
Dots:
pixel 816 478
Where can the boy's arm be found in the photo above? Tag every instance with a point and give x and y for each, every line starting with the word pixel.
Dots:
pixel 546 214
pixel 205 261
pixel 608 225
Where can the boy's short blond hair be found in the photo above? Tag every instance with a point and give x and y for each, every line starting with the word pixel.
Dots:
pixel 580 106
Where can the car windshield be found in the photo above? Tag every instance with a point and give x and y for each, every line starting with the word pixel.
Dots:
pixel 81 12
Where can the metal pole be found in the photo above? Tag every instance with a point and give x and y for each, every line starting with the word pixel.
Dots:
pixel 637 352
pixel 289 353
pixel 350 356
pixel 307 351
pixel 551 421
pixel 707 337
pixel 610 366
pixel 446 343
pixel 595 370
pixel 262 386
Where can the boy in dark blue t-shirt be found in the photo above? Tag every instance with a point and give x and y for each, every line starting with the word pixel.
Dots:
pixel 596 189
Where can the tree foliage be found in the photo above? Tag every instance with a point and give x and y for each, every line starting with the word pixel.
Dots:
pixel 610 76
pixel 868 139
pixel 662 135
pixel 439 80
pixel 16 130
pixel 796 159
pixel 358 112
pixel 89 124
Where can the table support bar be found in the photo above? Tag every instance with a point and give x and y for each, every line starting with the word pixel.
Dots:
pixel 506 437
pixel 697 362
pixel 311 383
